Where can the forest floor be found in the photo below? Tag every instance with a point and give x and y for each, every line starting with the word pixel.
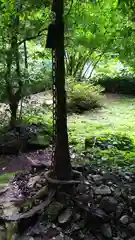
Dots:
pixel 100 207
pixel 116 115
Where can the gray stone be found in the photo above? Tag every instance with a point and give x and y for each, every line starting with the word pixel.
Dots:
pixel 132 201
pixel 110 183
pixel 33 181
pixel 2 233
pixel 54 210
pixel 102 190
pixel 108 204
pixel 131 227
pixel 108 176
pixel 123 235
pixel 97 178
pixel 116 238
pixel 65 216
pixel 106 230
pixel 124 219
pixel 119 210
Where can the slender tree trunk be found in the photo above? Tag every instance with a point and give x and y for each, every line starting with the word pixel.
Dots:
pixel 13 109
pixel 62 157
pixel 25 55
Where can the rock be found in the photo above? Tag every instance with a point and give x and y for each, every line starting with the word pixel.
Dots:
pixel 108 204
pixel 51 233
pixel 123 235
pixel 109 177
pixel 77 216
pixel 119 210
pixel 116 238
pixel 4 187
pixel 9 209
pixel 85 198
pixel 11 229
pixel 54 210
pixel 124 219
pixel 102 190
pixel 42 192
pixel 110 183
pixel 65 217
pixel 2 233
pixel 97 178
pixel 117 192
pixel 132 201
pixel 131 227
pixel 33 181
pixel 106 230
pixel 82 188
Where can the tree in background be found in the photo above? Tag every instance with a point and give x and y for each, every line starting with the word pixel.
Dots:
pixel 19 24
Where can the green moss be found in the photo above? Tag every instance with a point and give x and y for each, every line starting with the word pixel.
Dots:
pixel 5 178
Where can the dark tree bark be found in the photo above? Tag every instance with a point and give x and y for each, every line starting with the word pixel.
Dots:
pixel 25 55
pixel 62 164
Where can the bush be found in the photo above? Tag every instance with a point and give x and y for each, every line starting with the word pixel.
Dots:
pixel 82 96
pixel 110 141
pixel 119 84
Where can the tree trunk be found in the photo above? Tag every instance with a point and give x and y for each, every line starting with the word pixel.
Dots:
pixel 62 164
pixel 25 55
pixel 13 109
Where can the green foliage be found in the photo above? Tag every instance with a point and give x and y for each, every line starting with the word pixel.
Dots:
pixel 110 141
pixel 111 158
pixel 123 85
pixel 43 121
pixel 6 177
pixel 82 96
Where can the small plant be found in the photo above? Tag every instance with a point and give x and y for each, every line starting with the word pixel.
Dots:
pixel 82 96
pixel 110 141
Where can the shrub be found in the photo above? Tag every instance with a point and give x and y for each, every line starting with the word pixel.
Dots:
pixel 118 84
pixel 110 141
pixel 82 96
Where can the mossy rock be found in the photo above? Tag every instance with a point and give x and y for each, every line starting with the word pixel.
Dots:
pixel 54 210
pixel 40 140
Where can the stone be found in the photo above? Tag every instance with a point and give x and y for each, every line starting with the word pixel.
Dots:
pixel 110 183
pixel 33 181
pixel 54 210
pixel 97 178
pixel 82 188
pixel 108 204
pixel 11 229
pixel 123 235
pixel 124 219
pixel 77 216
pixel 65 216
pixel 119 210
pixel 117 192
pixel 2 233
pixel 106 230
pixel 85 198
pixel 109 177
pixel 9 209
pixel 102 190
pixel 132 201
pixel 42 192
pixel 131 227
pixel 116 238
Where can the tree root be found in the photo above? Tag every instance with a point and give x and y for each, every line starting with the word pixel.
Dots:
pixel 62 182
pixel 31 212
